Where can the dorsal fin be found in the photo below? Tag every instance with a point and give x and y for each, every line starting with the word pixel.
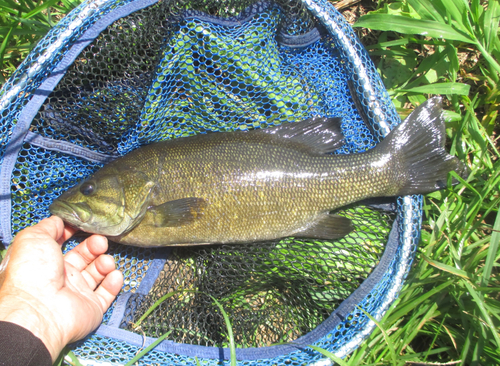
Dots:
pixel 321 134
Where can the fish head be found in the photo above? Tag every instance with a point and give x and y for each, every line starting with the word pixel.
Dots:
pixel 106 204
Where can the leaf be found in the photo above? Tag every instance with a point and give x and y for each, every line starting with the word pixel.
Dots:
pixel 431 69
pixel 451 51
pixel 457 10
pixel 440 88
pixel 492 252
pixel 155 305
pixel 490 24
pixel 397 70
pixel 148 348
pixel 387 339
pixel 451 116
pixel 16 6
pixel 476 10
pixel 480 303
pixel 382 44
pixel 446 268
pixel 74 359
pixel 40 8
pixel 407 308
pixel 4 45
pixel 232 347
pixel 330 355
pixel 426 10
pixel 400 24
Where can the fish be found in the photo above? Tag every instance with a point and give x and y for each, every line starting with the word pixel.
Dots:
pixel 258 185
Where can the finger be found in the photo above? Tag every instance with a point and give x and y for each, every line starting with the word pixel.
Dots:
pixel 87 251
pixel 109 288
pixel 53 226
pixel 68 232
pixel 35 248
pixel 98 270
pixel 49 228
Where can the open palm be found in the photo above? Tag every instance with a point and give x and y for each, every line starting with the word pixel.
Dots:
pixel 60 299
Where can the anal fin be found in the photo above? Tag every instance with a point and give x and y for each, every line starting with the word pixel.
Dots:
pixel 327 227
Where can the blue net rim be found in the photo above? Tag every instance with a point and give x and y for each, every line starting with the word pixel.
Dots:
pixel 371 101
pixel 252 353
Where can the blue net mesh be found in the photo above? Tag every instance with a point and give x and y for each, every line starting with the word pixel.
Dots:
pixel 116 75
pixel 31 191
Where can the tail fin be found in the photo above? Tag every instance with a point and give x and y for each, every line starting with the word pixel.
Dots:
pixel 418 144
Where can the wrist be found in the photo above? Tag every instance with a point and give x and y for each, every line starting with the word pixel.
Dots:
pixel 17 308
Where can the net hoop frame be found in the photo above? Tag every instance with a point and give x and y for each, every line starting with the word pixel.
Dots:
pixel 77 30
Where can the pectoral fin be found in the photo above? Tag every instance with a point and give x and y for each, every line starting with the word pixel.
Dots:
pixel 327 227
pixel 179 212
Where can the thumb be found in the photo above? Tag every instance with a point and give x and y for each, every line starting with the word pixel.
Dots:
pixel 35 256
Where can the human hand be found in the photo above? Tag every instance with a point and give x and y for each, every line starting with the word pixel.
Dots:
pixel 60 299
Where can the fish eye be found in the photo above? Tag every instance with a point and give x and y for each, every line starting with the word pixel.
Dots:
pixel 87 188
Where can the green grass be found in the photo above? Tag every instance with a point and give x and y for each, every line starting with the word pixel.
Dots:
pixel 449 309
pixel 22 24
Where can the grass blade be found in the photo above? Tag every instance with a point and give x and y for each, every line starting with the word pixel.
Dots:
pixel 74 359
pixel 447 268
pixel 440 88
pixel 480 303
pixel 491 60
pixel 3 46
pixel 232 347
pixel 406 25
pixel 330 355
pixel 416 302
pixel 426 10
pixel 490 24
pixel 40 8
pixel 492 252
pixel 147 349
pixel 154 306
pixel 60 361
pixel 457 10
pixel 385 335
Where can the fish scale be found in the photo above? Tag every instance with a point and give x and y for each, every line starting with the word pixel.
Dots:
pixel 259 185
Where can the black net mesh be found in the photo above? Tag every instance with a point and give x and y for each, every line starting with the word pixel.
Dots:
pixel 272 292
pixel 180 68
pixel 102 94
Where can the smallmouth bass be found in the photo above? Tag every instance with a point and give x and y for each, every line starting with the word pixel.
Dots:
pixel 247 186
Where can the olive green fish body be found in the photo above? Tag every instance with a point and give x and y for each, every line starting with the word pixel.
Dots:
pixel 253 186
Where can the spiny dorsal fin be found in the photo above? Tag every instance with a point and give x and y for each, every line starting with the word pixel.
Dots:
pixel 179 212
pixel 321 134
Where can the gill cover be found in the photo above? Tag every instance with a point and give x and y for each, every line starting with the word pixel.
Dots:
pixel 107 203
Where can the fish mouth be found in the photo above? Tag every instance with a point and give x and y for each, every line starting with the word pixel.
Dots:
pixel 74 213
